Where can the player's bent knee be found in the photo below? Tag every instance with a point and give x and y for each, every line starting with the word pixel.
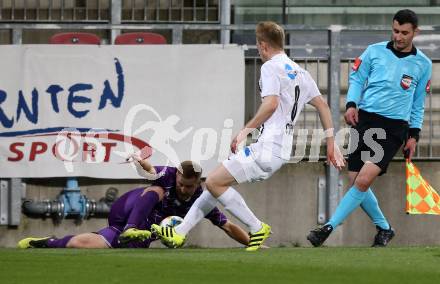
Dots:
pixel 210 183
pixel 214 182
pixel 215 188
pixel 362 183
pixel 220 177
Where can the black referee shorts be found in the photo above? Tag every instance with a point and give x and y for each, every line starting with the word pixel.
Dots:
pixel 370 145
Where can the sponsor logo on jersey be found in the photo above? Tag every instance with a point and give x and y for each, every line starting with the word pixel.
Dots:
pixel 290 72
pixel 405 82
pixel 428 87
pixel 357 63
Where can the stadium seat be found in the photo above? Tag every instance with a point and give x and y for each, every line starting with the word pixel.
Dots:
pixel 140 38
pixel 75 38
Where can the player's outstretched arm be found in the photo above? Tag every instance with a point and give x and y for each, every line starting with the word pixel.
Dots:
pixel 143 167
pixel 147 166
pixel 333 153
pixel 236 233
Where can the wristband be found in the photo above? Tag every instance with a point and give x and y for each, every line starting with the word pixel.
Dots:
pixel 350 104
pixel 414 133
pixel 329 132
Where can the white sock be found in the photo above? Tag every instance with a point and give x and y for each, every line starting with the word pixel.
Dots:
pixel 235 204
pixel 201 207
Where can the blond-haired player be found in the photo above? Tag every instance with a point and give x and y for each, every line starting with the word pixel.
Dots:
pixel 285 89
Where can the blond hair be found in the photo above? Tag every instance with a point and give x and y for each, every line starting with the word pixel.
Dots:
pixel 271 33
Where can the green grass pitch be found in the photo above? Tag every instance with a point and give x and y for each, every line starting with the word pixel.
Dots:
pixel 275 265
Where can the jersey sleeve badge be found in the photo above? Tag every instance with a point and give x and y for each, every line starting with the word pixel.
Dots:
pixel 357 63
pixel 428 87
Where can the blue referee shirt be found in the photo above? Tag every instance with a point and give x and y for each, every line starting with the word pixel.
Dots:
pixel 391 83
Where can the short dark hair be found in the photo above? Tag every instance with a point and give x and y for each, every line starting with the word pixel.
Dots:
pixel 406 16
pixel 191 170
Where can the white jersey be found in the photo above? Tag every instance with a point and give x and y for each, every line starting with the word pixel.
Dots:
pixel 282 77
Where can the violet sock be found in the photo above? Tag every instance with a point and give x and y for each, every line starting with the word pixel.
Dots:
pixel 59 243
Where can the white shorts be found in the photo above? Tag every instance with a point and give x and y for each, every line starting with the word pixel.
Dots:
pixel 253 163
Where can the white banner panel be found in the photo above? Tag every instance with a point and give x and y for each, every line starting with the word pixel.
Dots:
pixel 80 110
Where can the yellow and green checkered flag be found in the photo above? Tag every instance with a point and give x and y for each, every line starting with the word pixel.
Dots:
pixel 421 198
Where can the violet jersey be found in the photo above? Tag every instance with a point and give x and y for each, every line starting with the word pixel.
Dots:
pixel 172 206
pixel 282 77
pixel 169 206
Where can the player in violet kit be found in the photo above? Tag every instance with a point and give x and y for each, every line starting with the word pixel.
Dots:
pixel 172 194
